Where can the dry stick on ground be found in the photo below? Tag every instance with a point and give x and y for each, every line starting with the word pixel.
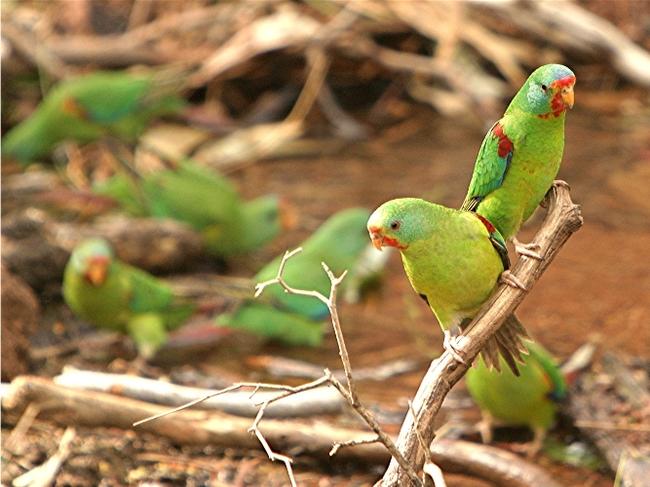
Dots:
pixel 315 402
pixel 93 409
pixel 563 218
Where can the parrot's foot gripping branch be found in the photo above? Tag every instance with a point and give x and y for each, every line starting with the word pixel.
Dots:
pixel 511 280
pixel 451 343
pixel 531 249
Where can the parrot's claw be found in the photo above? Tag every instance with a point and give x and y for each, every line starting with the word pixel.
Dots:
pixel 511 280
pixel 450 343
pixel 562 183
pixel 531 250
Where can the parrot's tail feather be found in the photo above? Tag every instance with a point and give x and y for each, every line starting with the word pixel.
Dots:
pixel 508 341
pixel 490 354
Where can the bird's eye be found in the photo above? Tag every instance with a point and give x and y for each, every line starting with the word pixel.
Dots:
pixel 395 225
pixel 544 87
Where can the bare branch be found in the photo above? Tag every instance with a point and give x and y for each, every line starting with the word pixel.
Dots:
pixel 562 220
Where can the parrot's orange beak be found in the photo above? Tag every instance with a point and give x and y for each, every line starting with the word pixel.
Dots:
pixel 567 96
pixel 376 237
pixel 379 240
pixel 288 215
pixel 97 271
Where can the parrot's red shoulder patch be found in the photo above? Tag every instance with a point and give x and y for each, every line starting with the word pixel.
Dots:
pixel 505 144
pixel 490 228
pixel 72 107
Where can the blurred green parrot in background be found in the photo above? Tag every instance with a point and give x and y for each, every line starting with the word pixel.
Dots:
pixel 453 260
pixel 88 107
pixel 528 400
pixel 205 200
pixel 298 320
pixel 521 154
pixel 116 296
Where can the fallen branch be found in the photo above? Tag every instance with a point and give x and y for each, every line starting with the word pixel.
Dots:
pixel 563 218
pixel 321 400
pixel 286 367
pixel 98 409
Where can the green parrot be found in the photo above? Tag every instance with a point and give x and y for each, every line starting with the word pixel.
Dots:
pixel 298 320
pixel 206 201
pixel 453 260
pixel 88 107
pixel 528 400
pixel 521 154
pixel 113 295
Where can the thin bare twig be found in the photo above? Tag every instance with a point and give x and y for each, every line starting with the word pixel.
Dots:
pixel 349 393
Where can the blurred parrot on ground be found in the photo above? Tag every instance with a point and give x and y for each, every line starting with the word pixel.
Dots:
pixel 206 201
pixel 528 400
pixel 298 320
pixel 113 295
pixel 88 107
pixel 454 260
pixel 521 154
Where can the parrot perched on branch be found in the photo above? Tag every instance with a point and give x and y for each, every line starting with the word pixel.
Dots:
pixel 454 260
pixel 113 295
pixel 521 154
pixel 206 201
pixel 528 400
pixel 88 107
pixel 298 320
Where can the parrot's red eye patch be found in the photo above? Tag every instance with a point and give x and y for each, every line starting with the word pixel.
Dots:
pixel 395 225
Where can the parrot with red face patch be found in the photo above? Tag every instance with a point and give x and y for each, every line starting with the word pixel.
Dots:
pixel 521 154
pixel 454 260
pixel 113 295
pixel 88 107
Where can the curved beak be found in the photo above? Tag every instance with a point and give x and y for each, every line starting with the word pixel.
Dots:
pixel 376 237
pixel 97 271
pixel 568 96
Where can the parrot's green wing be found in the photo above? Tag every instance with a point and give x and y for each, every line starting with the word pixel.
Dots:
pixel 105 98
pixel 192 194
pixel 491 165
pixel 497 240
pixel 149 294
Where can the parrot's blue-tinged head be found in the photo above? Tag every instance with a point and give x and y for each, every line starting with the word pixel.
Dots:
pixel 400 222
pixel 547 93
pixel 92 259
